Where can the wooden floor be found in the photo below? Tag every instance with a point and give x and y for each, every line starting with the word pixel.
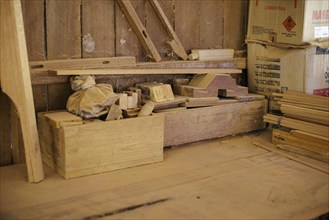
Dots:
pixel 226 178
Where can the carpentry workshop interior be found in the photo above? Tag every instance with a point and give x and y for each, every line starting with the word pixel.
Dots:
pixel 164 109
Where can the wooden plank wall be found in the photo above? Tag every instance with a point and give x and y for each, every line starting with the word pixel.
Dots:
pixel 97 28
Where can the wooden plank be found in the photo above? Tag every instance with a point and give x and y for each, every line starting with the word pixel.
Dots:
pixel 88 63
pixel 297 124
pixel 318 116
pixel 5 145
pixel 63 29
pixel 174 41
pixel 139 29
pixel 143 71
pixel 16 82
pixel 126 41
pixel 222 166
pixel 98 15
pixel 315 164
pixel 236 63
pixel 43 77
pixel 153 24
pixel 187 23
pixel 300 151
pixel 34 23
pixel 316 146
pixel 40 97
pixel 186 126
pixel 98 147
pixel 211 24
pixel 63 42
pixel 235 23
pixel 211 54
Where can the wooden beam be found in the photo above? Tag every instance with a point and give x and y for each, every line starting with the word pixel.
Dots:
pixel 143 71
pixel 90 63
pixel 16 82
pixel 139 29
pixel 174 43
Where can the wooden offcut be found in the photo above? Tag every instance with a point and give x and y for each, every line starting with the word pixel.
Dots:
pixel 139 29
pixel 80 150
pixel 211 54
pixel 211 85
pixel 156 92
pixel 16 82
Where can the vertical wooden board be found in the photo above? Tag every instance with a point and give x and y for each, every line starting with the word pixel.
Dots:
pixel 58 96
pixel 63 29
pixel 63 42
pixel 235 23
pixel 33 16
pixel 211 24
pixel 187 23
pixel 156 30
pixel 5 148
pixel 98 28
pixel 40 98
pixel 126 41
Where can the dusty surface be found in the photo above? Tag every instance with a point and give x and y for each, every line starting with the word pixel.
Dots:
pixel 227 178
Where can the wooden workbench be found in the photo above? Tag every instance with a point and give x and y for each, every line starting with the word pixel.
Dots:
pixel 226 178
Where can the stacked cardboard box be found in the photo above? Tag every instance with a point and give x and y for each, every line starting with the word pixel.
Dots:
pixel 288 46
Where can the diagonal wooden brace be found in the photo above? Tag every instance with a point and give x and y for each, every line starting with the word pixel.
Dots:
pixel 139 29
pixel 174 41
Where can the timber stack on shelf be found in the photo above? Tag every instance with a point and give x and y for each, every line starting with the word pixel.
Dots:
pixel 304 126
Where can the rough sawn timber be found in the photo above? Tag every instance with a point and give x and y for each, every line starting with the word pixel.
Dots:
pixel 186 126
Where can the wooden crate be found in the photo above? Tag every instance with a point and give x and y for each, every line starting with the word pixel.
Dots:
pixel 190 125
pixel 78 148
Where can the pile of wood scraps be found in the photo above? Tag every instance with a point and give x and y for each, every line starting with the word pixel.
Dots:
pixel 304 126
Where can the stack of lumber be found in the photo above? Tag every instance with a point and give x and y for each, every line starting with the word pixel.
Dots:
pixel 304 124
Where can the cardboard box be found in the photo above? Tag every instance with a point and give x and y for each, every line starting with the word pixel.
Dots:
pixel 272 69
pixel 290 22
pixel 77 148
